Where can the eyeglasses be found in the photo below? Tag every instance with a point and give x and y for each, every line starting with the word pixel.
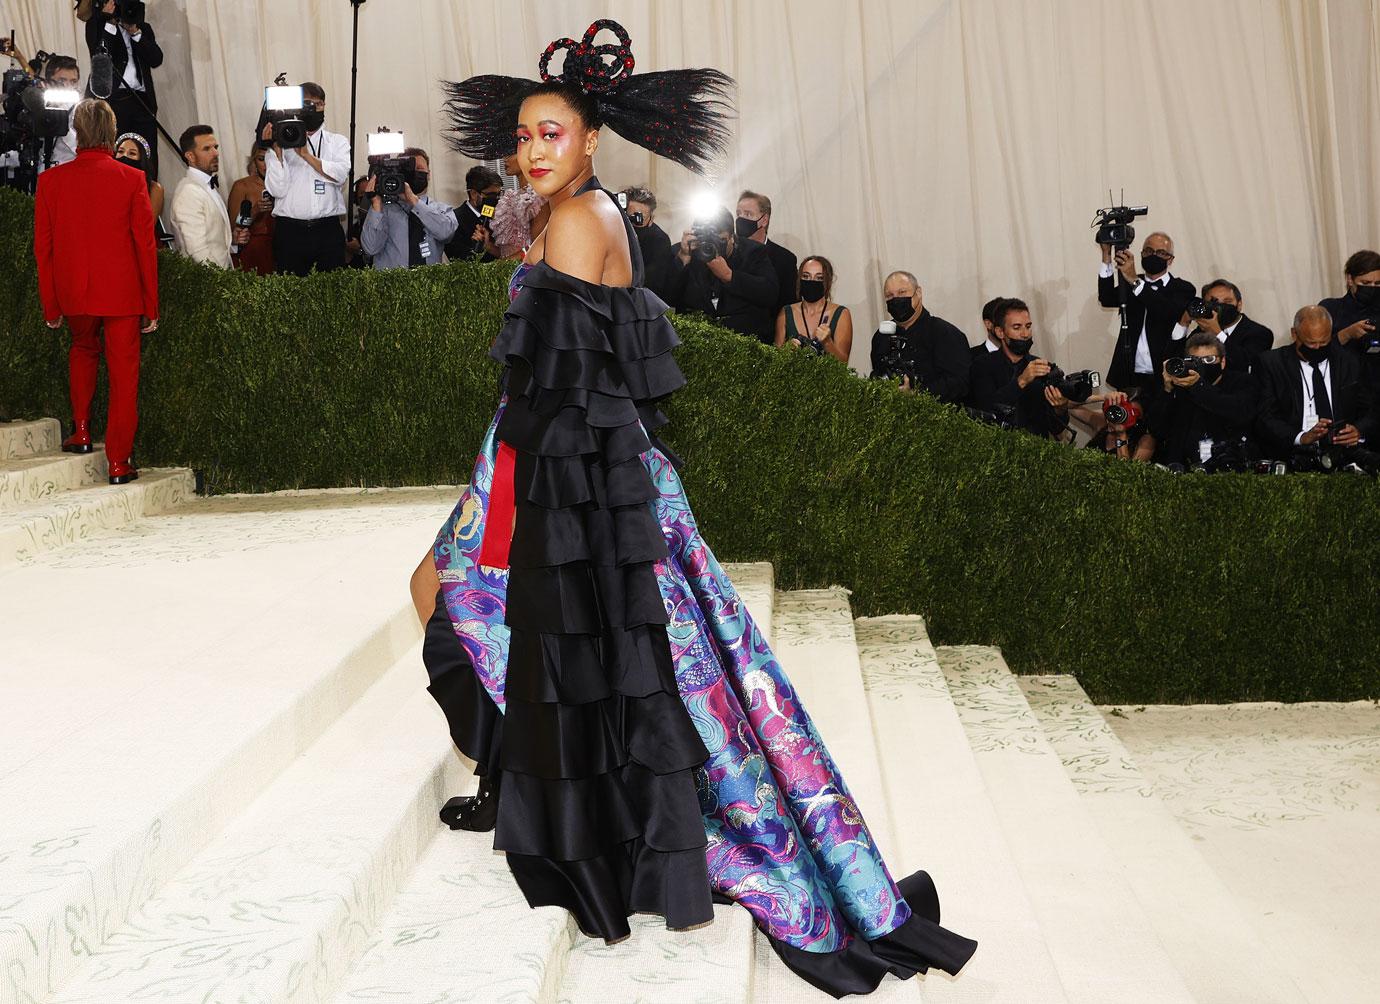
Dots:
pixel 1166 255
pixel 313 104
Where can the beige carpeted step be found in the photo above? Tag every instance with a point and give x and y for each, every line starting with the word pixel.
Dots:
pixel 946 823
pixel 281 904
pixel 1104 947
pixel 44 475
pixel 27 439
pixel 30 528
pixel 154 680
pixel 1200 923
pixel 461 930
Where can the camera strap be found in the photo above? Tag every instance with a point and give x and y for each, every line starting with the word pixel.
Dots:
pixel 320 142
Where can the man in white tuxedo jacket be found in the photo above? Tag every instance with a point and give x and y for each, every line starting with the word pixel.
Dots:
pixel 200 220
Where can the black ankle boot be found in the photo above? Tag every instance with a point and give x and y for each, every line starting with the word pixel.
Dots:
pixel 477 812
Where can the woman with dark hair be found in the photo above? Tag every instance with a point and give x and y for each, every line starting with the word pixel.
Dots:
pixel 132 149
pixel 815 321
pixel 639 747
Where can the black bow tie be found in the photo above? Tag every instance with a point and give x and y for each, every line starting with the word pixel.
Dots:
pixel 215 181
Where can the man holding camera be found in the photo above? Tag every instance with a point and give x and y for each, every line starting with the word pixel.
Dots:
pixel 1356 316
pixel 200 219
pixel 1315 408
pixel 410 230
pixel 729 279
pixel 98 267
pixel 473 238
pixel 1012 384
pixel 118 28
pixel 1204 416
pixel 1154 304
pixel 1218 312
pixel 926 352
pixel 651 239
pixel 61 73
pixel 308 185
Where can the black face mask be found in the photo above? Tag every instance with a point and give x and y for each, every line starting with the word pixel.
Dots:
pixel 900 308
pixel 1019 346
pixel 745 228
pixel 1228 314
pixel 1153 264
pixel 130 161
pixel 313 119
pixel 420 179
pixel 1314 355
pixel 812 290
pixel 1207 372
pixel 1367 296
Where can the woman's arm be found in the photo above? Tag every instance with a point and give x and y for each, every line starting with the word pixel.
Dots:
pixel 156 196
pixel 841 345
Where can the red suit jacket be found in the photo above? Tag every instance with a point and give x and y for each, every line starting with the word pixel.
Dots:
pixel 93 238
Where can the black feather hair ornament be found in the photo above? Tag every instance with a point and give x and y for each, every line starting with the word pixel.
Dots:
pixel 682 115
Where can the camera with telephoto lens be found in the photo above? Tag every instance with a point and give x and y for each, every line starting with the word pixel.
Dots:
pixel 284 106
pixel 1198 308
pixel 1127 414
pixel 707 243
pixel 1114 225
pixel 1076 387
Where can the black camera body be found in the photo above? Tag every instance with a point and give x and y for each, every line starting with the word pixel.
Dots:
pixel 289 131
pixel 896 362
pixel 1198 308
pixel 707 243
pixel 1181 366
pixel 1076 387
pixel 130 11
pixel 393 174
pixel 1114 225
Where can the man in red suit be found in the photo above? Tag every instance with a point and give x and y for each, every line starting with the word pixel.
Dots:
pixel 98 267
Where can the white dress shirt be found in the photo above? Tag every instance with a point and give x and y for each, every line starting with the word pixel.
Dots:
pixel 1310 406
pixel 131 76
pixel 200 220
pixel 1143 364
pixel 299 192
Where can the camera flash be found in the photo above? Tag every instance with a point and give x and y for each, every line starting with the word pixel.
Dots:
pixel 60 98
pixel 386 144
pixel 283 99
pixel 704 205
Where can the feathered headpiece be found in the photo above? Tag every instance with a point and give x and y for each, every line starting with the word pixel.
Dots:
pixel 681 115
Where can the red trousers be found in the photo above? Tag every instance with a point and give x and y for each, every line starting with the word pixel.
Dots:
pixel 122 365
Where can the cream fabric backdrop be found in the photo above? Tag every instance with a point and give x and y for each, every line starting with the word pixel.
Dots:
pixel 968 141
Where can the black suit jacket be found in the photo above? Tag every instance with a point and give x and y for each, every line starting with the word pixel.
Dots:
pixel 787 269
pixel 1280 418
pixel 747 304
pixel 147 55
pixel 1248 341
pixel 1157 310
pixel 657 255
pixel 1346 311
pixel 1223 412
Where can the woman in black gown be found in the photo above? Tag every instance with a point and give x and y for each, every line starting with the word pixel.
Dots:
pixel 639 747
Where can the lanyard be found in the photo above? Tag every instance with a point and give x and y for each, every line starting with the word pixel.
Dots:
pixel 320 142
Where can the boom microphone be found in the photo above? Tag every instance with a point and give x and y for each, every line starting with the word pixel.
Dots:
pixel 102 75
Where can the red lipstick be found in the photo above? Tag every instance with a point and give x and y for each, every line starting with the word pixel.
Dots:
pixel 539 172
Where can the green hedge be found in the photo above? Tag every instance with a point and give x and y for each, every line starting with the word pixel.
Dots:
pixel 1149 586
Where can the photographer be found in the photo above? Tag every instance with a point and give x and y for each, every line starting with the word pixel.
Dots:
pixel 1205 413
pixel 98 267
pixel 816 322
pixel 1218 312
pixel 61 73
pixel 117 28
pixel 926 352
pixel 1315 408
pixel 1155 303
pixel 1356 316
pixel 412 231
pixel 656 247
pixel 751 224
pixel 1012 384
pixel 731 280
pixel 308 186
pixel 472 238
pixel 991 343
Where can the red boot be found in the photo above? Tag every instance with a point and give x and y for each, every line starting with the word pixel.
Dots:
pixel 122 472
pixel 80 439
